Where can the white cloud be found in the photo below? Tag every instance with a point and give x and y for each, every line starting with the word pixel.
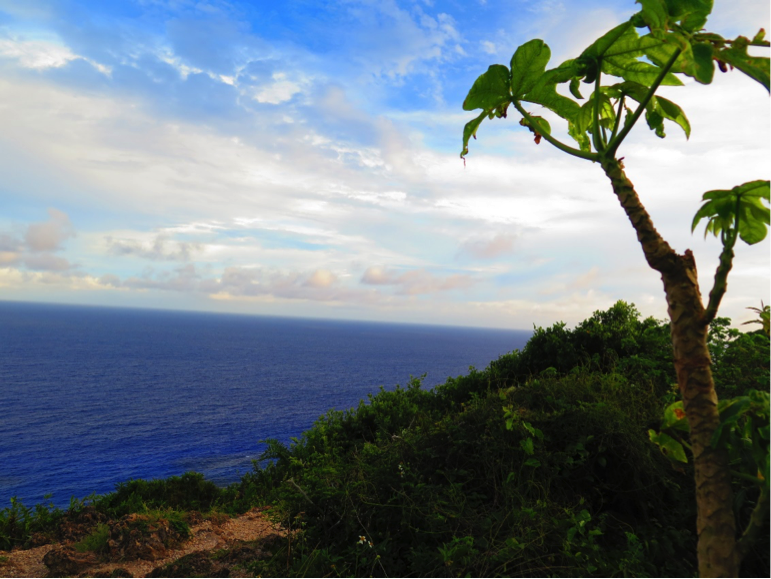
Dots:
pixel 280 90
pixel 37 54
pixel 35 248
pixel 291 204
pixel 160 248
pixel 321 278
pixel 415 282
pixel 43 54
pixel 489 47
pixel 487 248
pixel 47 262
pixel 49 235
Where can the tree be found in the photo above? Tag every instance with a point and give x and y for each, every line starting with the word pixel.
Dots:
pixel 671 42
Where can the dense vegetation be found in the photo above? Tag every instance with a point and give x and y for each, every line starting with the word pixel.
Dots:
pixel 539 465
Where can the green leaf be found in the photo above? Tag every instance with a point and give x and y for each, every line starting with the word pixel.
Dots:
pixel 674 417
pixel 603 44
pixel 703 64
pixel 579 137
pixel 673 112
pixel 620 59
pixel 563 73
pixel 692 14
pixel 527 445
pixel 755 67
pixel 759 189
pixel 655 14
pixel 545 91
pixel 542 126
pixel 697 65
pixel 575 83
pixel 655 119
pixel 490 91
pixel 663 107
pixel 534 462
pixel 470 130
pixel 636 71
pixel 585 116
pixel 527 66
pixel 752 231
pixel 671 448
pixel 722 207
pixel 633 89
pixel 732 409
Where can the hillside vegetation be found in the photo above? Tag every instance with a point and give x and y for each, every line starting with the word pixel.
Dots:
pixel 538 465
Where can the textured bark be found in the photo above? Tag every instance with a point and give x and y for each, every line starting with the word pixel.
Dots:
pixel 716 525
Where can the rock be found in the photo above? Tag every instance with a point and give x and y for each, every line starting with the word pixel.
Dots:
pixel 38 540
pixel 193 518
pixel 197 564
pixel 119 573
pixel 67 562
pixel 141 537
pixel 79 524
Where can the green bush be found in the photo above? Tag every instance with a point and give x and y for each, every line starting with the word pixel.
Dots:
pixel 96 541
pixel 18 523
pixel 538 465
pixel 188 492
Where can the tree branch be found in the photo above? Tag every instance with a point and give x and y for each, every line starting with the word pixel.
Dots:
pixel 617 123
pixel 758 517
pixel 616 141
pixel 561 146
pixel 723 268
pixel 295 485
pixel 659 255
pixel 599 146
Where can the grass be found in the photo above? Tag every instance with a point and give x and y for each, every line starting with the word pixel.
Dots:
pixel 96 541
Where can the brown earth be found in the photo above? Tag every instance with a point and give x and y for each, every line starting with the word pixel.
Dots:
pixel 157 551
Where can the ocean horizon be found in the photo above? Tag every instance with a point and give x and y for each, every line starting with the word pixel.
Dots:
pixel 92 396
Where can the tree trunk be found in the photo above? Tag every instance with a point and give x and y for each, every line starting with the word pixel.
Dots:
pixel 716 525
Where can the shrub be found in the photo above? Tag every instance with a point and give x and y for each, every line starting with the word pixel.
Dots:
pixel 18 523
pixel 180 493
pixel 96 541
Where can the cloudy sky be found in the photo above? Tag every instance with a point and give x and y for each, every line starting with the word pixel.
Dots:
pixel 302 158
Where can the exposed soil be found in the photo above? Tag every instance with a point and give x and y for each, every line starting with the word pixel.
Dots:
pixel 216 547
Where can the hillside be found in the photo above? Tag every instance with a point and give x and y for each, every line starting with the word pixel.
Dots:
pixel 538 465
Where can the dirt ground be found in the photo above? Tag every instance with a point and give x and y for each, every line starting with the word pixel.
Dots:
pixel 206 538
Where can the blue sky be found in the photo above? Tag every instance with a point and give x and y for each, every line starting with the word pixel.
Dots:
pixel 301 158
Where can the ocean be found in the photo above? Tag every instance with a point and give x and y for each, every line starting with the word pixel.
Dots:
pixel 90 397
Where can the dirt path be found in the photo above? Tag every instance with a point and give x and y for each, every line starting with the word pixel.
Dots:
pixel 205 536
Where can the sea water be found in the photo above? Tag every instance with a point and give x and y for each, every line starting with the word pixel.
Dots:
pixel 90 397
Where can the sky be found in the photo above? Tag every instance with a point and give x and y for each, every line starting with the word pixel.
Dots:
pixel 301 158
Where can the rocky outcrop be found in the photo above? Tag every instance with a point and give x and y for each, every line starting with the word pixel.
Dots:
pixel 142 537
pixel 198 564
pixel 119 573
pixel 67 562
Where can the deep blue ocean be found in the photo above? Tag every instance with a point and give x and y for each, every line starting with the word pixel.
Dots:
pixel 92 396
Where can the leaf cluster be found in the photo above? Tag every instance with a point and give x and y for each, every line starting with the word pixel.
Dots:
pixel 638 63
pixel 738 211
pixel 764 318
